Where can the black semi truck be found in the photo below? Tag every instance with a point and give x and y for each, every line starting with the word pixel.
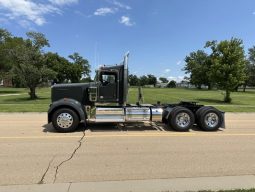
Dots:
pixel 105 100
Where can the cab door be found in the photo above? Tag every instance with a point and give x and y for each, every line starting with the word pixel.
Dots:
pixel 108 86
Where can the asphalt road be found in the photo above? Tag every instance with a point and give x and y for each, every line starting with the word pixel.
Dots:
pixel 31 152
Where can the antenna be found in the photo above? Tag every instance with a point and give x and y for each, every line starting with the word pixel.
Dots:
pixel 95 54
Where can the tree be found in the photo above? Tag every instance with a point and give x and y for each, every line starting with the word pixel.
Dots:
pixel 86 80
pixel 7 61
pixel 152 80
pixel 30 62
pixel 163 80
pixel 75 73
pixel 66 70
pixel 250 69
pixel 133 80
pixel 37 40
pixel 60 65
pixel 144 80
pixel 4 36
pixel 81 63
pixel 171 84
pixel 228 64
pixel 250 75
pixel 198 65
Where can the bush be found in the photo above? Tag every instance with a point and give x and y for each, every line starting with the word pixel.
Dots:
pixel 171 84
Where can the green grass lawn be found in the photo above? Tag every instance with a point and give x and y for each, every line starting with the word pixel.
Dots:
pixel 241 101
pixel 17 99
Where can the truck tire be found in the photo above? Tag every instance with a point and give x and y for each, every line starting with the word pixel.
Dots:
pixel 209 118
pixel 65 120
pixel 181 119
pixel 199 111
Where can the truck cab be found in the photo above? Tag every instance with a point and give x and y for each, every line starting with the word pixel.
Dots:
pixel 111 84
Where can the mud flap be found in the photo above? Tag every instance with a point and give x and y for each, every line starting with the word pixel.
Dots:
pixel 223 125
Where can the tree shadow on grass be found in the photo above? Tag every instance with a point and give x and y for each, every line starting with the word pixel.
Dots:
pixel 25 99
pixel 211 101
pixel 195 89
pixel 9 91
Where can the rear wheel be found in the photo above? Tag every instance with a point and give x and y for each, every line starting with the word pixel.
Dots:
pixel 199 111
pixel 209 118
pixel 181 119
pixel 65 120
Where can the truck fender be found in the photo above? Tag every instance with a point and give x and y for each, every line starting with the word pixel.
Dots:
pixel 166 113
pixel 67 103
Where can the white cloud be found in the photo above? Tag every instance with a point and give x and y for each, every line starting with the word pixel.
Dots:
pixel 179 62
pixel 126 21
pixel 63 2
pixel 115 7
pixel 24 23
pixel 121 5
pixel 27 12
pixel 104 11
pixel 167 70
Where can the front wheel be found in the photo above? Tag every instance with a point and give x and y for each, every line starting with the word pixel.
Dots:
pixel 65 120
pixel 181 119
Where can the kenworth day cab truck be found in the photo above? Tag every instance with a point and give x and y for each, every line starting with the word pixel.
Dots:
pixel 105 100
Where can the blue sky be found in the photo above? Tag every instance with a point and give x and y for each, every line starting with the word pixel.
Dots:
pixel 158 33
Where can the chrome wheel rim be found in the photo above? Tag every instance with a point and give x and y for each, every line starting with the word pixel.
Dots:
pixel 183 119
pixel 65 120
pixel 211 120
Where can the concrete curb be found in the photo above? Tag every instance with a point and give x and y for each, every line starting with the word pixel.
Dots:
pixel 154 185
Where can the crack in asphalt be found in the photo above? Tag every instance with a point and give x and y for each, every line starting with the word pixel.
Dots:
pixel 73 153
pixel 46 171
pixel 69 187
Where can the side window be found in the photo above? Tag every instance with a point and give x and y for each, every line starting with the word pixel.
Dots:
pixel 108 78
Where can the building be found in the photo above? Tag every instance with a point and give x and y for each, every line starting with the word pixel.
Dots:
pixel 7 82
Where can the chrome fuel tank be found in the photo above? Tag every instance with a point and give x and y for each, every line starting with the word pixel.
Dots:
pixel 104 114
pixel 138 114
pixel 156 114
pixel 126 114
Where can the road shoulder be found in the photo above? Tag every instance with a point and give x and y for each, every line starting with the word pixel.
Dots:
pixel 152 185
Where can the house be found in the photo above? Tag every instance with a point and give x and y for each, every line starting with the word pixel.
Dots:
pixel 161 85
pixel 7 82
